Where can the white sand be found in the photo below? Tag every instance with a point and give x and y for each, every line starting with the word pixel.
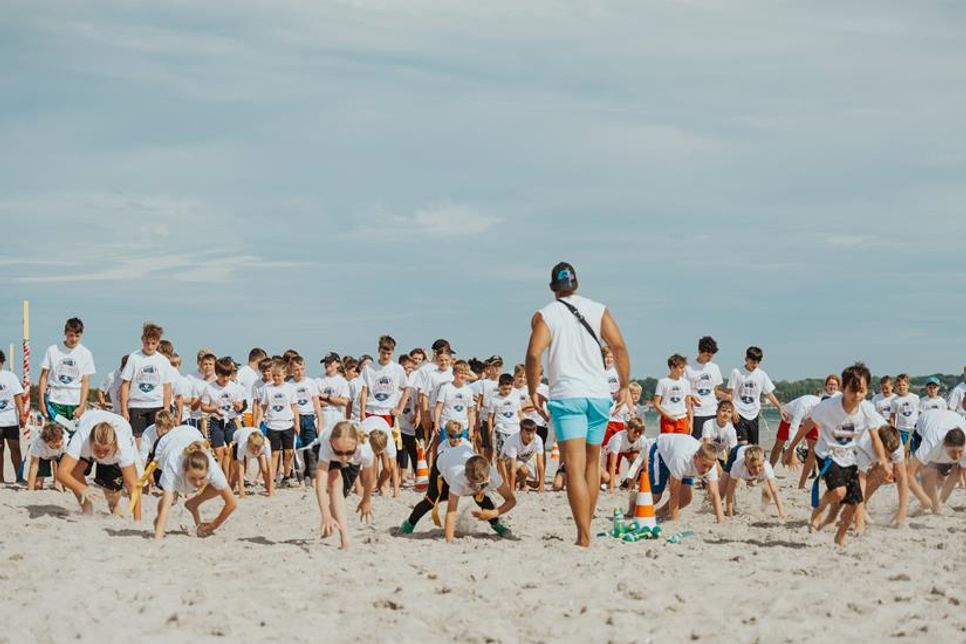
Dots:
pixel 267 576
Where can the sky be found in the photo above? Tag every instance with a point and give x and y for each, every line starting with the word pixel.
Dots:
pixel 311 175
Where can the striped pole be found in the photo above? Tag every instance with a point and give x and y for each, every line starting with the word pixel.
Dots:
pixel 26 357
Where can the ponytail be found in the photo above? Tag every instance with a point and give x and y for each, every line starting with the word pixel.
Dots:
pixel 196 457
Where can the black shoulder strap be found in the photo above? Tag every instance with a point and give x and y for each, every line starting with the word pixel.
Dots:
pixel 583 321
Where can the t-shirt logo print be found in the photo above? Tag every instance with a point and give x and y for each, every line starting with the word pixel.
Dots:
pixel 748 393
pixel 148 379
pixel 675 394
pixel 906 409
pixel 67 371
pixel 703 385
pixel 278 401
pixel 303 396
pixel 844 433
pixel 383 389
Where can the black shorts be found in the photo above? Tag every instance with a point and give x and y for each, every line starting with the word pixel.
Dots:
pixel 698 425
pixel 11 433
pixel 350 472
pixel 44 469
pixel 141 418
pixel 943 468
pixel 747 430
pixel 220 431
pixel 544 434
pixel 109 477
pixel 281 439
pixel 486 436
pixel 848 477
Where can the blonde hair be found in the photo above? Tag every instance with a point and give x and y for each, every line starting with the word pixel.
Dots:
pixel 708 453
pixel 51 433
pixel 195 458
pixel 256 441
pixel 104 434
pixel 164 419
pixel 636 423
pixel 889 436
pixel 754 454
pixel 378 441
pixel 635 386
pixel 477 469
pixel 453 427
pixel 347 429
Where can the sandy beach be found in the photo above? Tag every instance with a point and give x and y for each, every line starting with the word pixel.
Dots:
pixel 267 576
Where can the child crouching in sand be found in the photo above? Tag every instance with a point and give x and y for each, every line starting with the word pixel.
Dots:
pixel 190 470
pixel 45 453
pixel 747 463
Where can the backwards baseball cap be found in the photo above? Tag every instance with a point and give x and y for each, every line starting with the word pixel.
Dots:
pixel 494 360
pixel 443 345
pixel 563 277
pixel 933 380
pixel 332 356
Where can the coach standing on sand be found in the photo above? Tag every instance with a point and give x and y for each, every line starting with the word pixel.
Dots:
pixel 574 328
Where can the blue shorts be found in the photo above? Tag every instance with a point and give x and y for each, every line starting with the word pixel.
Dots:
pixel 732 457
pixel 658 473
pixel 584 418
pixel 916 440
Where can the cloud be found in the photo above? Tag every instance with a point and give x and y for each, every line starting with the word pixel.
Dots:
pixel 443 221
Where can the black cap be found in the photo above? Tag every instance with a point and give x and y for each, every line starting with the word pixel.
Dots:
pixel 442 345
pixel 332 356
pixel 494 360
pixel 563 277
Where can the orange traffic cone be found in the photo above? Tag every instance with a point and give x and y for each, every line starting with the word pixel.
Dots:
pixel 555 453
pixel 644 505
pixel 422 470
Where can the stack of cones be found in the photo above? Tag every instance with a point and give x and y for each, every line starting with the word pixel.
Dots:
pixel 422 470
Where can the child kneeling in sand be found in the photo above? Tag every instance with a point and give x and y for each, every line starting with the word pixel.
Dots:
pixel 463 473
pixel 344 454
pixel 522 457
pixel 45 453
pixel 190 470
pixel 106 439
pixel 940 453
pixel 251 443
pixel 747 463
pixel 672 463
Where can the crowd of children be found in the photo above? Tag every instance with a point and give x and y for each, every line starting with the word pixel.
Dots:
pixel 366 425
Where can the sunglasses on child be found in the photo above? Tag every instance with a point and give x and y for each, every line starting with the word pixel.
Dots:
pixel 346 453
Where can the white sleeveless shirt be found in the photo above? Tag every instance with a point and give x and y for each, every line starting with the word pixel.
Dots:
pixel 575 368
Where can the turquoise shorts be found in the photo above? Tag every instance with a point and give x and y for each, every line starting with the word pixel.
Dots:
pixel 584 418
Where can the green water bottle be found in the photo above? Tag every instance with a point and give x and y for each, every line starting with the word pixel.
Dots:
pixel 680 536
pixel 620 528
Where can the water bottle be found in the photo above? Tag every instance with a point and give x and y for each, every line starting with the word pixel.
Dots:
pixel 680 536
pixel 620 528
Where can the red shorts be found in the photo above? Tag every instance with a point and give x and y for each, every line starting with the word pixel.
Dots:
pixel 612 428
pixel 679 426
pixel 783 428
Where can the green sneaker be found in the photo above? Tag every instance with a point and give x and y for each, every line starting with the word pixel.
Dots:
pixel 407 527
pixel 500 529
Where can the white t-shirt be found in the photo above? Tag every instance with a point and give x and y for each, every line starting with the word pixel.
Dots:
pixel 10 388
pixel 674 396
pixel 432 381
pixel 865 456
pixel 677 452
pixel 384 385
pixel 456 404
pixel 740 471
pixel 363 456
pixel 247 377
pixel 724 438
pixel 513 447
pixel 933 427
pixel 147 375
pixel 184 387
pixel 575 368
pixel 506 413
pixel 170 456
pixel 613 380
pixel 533 414
pixel 839 433
pixel 800 410
pixel 703 378
pixel 241 444
pixel 931 404
pixel 379 424
pixel 747 388
pixel 278 401
pixel 224 398
pixel 620 443
pixel 148 438
pixel 305 390
pixel 956 397
pixel 409 409
pixel 906 409
pixel 452 467
pixel 483 390
pixel 111 387
pixel 337 387
pixel 66 369
pixel 40 449
pixel 355 391
pixel 80 443
pixel 198 386
pixel 884 404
